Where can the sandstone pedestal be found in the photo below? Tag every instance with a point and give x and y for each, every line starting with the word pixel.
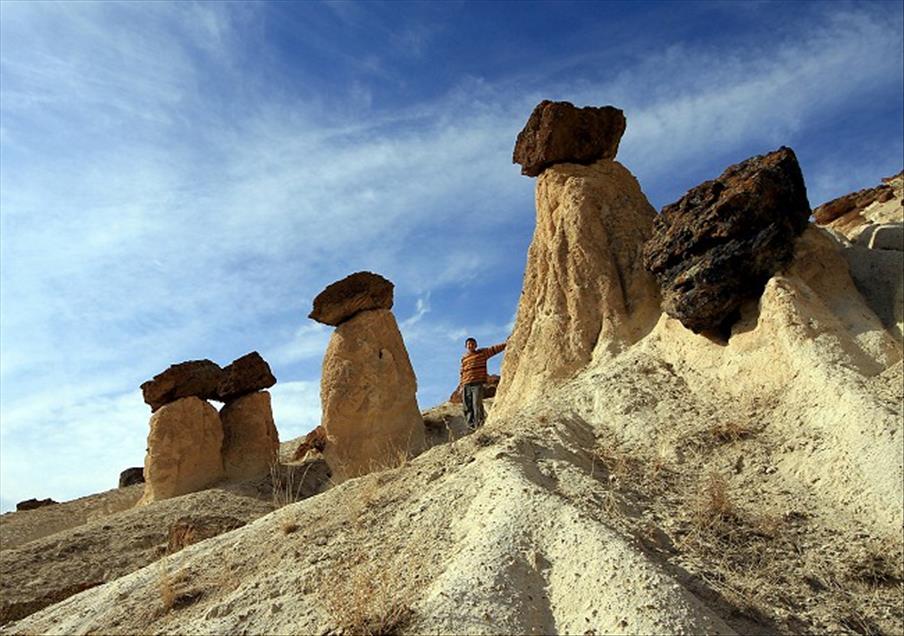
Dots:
pixel 250 440
pixel 184 446
pixel 367 390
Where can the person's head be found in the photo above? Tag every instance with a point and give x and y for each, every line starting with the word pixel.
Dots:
pixel 470 344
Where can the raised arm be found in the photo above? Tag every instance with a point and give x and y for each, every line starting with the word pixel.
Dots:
pixel 491 351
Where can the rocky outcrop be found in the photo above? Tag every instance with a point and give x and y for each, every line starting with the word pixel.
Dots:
pixel 585 292
pixel 719 244
pixel 33 504
pixel 198 378
pixel 131 476
pixel 558 132
pixel 184 446
pixel 353 294
pixel 367 391
pixel 245 375
pixel 855 212
pixel 313 441
pixel 250 440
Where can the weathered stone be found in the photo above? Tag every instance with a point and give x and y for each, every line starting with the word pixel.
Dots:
pixel 131 476
pixel 31 504
pixel 245 375
pixel 313 441
pixel 859 215
pixel 489 389
pixel 559 132
pixel 250 440
pixel 198 378
pixel 879 277
pixel 719 244
pixel 358 292
pixel 184 446
pixel 367 390
pixel 888 236
pixel 585 292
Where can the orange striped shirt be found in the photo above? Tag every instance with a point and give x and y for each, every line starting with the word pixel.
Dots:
pixel 474 364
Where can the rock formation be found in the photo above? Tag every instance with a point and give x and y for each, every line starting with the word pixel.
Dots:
pixel 198 378
pixel 558 132
pixel 853 213
pixel 313 441
pixel 250 440
pixel 245 375
pixel 869 224
pixel 184 446
pixel 585 290
pixel 358 292
pixel 367 391
pixel 32 504
pixel 131 476
pixel 719 244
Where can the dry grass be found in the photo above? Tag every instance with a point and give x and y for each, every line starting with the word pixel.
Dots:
pixel 175 589
pixel 288 526
pixel 729 432
pixel 364 600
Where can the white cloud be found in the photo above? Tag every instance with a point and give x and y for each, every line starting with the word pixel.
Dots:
pixel 296 408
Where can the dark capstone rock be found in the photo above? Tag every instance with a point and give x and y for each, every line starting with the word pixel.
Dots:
pixel 245 375
pixel 197 378
pixel 721 242
pixel 131 476
pixel 559 132
pixel 31 504
pixel 353 294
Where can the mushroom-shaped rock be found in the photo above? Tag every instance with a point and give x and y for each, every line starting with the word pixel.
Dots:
pixel 585 291
pixel 247 374
pixel 198 378
pixel 353 294
pixel 131 476
pixel 559 132
pixel 184 446
pixel 367 390
pixel 250 440
pixel 719 244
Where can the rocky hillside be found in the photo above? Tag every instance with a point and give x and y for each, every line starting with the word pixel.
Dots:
pixel 650 465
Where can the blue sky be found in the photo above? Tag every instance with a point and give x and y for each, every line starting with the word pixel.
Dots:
pixel 178 181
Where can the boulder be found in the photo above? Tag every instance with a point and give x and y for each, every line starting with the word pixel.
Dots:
pixel 719 244
pixel 559 132
pixel 313 441
pixel 184 446
pixel 245 375
pixel 250 440
pixel 358 292
pixel 585 291
pixel 31 504
pixel 198 378
pixel 367 391
pixel 131 476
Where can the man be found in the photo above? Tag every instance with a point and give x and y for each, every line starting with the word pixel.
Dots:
pixel 473 377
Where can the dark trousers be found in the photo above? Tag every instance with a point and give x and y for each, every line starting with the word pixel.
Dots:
pixel 472 400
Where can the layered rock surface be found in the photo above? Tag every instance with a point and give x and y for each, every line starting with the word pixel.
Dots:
pixel 184 446
pixel 585 288
pixel 558 132
pixel 367 392
pixel 250 439
pixel 198 378
pixel 355 293
pixel 854 213
pixel 719 244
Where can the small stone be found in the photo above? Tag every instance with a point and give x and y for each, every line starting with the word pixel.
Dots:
pixel 31 504
pixel 131 476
